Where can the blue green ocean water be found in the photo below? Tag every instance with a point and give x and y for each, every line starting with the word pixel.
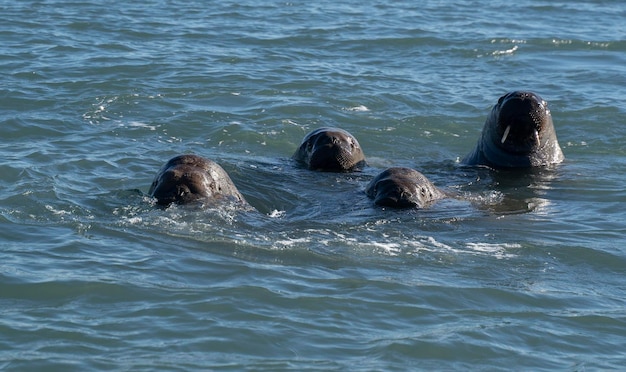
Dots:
pixel 523 271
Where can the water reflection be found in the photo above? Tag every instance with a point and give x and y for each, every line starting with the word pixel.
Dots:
pixel 517 190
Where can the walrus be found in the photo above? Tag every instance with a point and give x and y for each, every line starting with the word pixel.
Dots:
pixel 330 149
pixel 190 178
pixel 518 133
pixel 400 187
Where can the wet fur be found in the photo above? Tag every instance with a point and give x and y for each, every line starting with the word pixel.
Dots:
pixel 330 149
pixel 402 188
pixel 517 133
pixel 191 178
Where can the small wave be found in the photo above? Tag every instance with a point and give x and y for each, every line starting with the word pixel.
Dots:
pixel 290 242
pixel 497 250
pixel 360 108
pixel 137 124
pixel 505 52
pixel 276 214
pixel 507 41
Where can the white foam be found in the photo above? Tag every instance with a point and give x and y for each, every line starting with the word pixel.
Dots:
pixel 58 212
pixel 498 250
pixel 392 249
pixel 507 51
pixel 291 242
pixel 276 214
pixel 361 108
pixel 138 124
pixel 134 220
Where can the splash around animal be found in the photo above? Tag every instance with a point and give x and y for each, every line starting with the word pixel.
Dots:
pixel 186 179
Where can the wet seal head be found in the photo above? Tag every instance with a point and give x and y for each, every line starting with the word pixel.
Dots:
pixel 400 187
pixel 190 178
pixel 517 133
pixel 330 149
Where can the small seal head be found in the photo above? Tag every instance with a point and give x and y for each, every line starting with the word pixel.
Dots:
pixel 330 149
pixel 402 188
pixel 190 178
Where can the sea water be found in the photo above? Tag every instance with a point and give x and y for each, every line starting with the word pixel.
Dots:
pixel 521 270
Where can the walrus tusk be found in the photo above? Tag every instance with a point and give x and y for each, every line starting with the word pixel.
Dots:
pixel 537 137
pixel 506 134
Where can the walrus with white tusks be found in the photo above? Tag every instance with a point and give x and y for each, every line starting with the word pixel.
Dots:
pixel 190 178
pixel 518 133
pixel 400 187
pixel 331 150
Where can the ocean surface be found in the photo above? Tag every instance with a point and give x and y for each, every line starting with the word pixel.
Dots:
pixel 520 270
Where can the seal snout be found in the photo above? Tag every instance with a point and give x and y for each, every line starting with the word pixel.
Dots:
pixel 330 149
pixel 332 152
pixel 188 178
pixel 171 185
pixel 391 195
pixel 518 133
pixel 521 118
pixel 400 187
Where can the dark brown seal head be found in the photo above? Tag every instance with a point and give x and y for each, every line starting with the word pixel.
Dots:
pixel 330 149
pixel 189 178
pixel 518 133
pixel 402 188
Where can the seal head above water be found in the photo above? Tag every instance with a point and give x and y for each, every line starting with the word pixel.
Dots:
pixel 330 149
pixel 402 188
pixel 190 178
pixel 518 133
